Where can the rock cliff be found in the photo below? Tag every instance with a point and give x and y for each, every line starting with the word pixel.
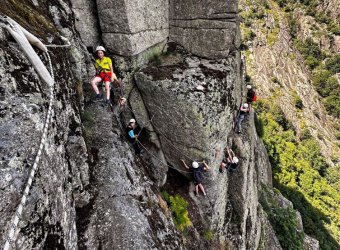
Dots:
pixel 91 191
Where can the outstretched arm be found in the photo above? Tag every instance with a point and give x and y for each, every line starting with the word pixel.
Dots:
pixel 230 157
pixel 231 153
pixel 113 75
pixel 206 167
pixel 185 165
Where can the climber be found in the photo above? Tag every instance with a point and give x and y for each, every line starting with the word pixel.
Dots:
pixel 197 174
pixel 104 72
pixel 230 162
pixel 118 91
pixel 132 131
pixel 251 95
pixel 243 110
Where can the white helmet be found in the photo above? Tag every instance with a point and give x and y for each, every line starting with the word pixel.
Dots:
pixel 195 164
pixel 235 159
pixel 100 48
pixel 132 120
pixel 245 105
pixel 248 86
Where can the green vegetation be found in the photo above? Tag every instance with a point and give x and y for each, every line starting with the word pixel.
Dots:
pixel 302 175
pixel 29 16
pixel 323 81
pixel 247 34
pixel 332 105
pixel 209 235
pixel 87 118
pixel 328 87
pixel 333 64
pixel 179 210
pixel 297 101
pixel 283 221
pixel 310 51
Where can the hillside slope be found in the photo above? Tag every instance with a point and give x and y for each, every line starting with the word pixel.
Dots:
pixel 292 49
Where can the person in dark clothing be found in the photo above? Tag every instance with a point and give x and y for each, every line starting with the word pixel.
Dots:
pixel 230 162
pixel 250 95
pixel 243 110
pixel 197 170
pixel 132 131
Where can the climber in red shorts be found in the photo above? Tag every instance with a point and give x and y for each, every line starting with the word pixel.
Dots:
pixel 104 72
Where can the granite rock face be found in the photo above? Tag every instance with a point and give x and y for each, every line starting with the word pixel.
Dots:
pixel 91 191
pixel 49 219
pixel 205 28
pixel 192 104
pixel 123 204
pixel 86 21
pixel 130 27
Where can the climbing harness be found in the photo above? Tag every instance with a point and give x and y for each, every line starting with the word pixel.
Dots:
pixel 25 39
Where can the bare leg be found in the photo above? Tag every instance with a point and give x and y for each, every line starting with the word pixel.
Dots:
pixel 222 166
pixel 94 83
pixel 202 188
pixel 196 189
pixel 107 88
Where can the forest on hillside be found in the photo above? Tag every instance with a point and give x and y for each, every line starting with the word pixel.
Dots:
pixel 300 170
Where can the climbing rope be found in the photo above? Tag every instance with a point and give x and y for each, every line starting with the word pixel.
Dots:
pixel 160 133
pixel 155 157
pixel 171 144
pixel 58 46
pixel 151 154
pixel 14 225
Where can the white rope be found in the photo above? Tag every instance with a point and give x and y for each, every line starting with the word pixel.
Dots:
pixel 57 46
pixel 60 45
pixel 14 225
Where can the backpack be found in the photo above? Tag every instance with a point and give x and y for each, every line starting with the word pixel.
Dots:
pixel 254 97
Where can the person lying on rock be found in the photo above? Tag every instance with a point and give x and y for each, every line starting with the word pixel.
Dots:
pixel 104 72
pixel 197 170
pixel 132 131
pixel 251 96
pixel 243 111
pixel 230 162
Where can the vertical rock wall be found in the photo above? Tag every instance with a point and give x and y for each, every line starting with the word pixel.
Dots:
pixel 91 192
pixel 86 21
pixel 130 27
pixel 49 218
pixel 205 28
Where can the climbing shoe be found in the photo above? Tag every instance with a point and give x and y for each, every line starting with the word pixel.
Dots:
pixel 98 97
pixel 108 102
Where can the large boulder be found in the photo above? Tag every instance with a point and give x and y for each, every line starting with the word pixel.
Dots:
pixel 192 102
pixel 130 27
pixel 205 28
pixel 86 21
